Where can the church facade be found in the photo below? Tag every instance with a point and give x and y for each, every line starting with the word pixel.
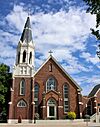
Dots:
pixel 50 91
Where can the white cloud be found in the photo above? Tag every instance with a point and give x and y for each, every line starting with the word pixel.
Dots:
pixel 89 58
pixel 88 82
pixel 64 33
pixel 63 28
pixel 17 18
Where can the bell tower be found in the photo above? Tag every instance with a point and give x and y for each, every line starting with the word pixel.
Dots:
pixel 25 53
pixel 21 105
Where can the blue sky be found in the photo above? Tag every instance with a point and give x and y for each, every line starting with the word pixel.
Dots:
pixel 62 26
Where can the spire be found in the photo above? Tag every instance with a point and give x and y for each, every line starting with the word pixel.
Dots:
pixel 27 32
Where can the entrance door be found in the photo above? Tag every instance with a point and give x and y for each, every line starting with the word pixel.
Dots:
pixel 51 108
pixel 51 111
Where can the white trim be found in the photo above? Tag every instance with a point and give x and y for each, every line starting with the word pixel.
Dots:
pixel 95 95
pixel 79 93
pixel 80 114
pixel 23 76
pixel 10 103
pixel 43 106
pixel 54 112
pixel 28 28
pixel 33 90
pixel 13 77
pixel 81 103
pixel 95 100
pixel 33 103
pixel 60 106
pixel 11 89
pixel 79 88
pixel 12 121
pixel 95 107
pixel 47 111
pixel 15 121
pixel 21 102
pixel 97 92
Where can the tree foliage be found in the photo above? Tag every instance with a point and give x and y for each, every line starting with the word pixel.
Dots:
pixel 94 8
pixel 5 81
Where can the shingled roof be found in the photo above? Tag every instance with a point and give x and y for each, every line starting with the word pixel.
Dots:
pixel 94 90
pixel 27 32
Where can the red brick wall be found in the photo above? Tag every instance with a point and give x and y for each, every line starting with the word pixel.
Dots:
pixel 24 112
pixel 98 97
pixel 98 100
pixel 85 101
pixel 42 76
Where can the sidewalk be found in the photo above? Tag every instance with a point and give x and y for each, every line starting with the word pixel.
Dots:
pixel 57 124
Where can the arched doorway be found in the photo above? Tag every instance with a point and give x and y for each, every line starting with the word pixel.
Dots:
pixel 21 109
pixel 51 108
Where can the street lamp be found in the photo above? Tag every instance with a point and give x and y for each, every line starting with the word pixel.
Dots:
pixel 98 52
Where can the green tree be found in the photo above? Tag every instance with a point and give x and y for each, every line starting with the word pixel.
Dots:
pixel 5 81
pixel 94 8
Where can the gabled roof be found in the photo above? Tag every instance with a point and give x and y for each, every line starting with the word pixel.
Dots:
pixel 27 32
pixel 51 57
pixel 94 90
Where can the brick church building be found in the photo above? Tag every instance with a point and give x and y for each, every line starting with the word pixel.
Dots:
pixel 50 91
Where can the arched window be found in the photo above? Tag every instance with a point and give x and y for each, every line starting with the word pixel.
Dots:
pixel 18 57
pixel 51 102
pixel 36 90
pixel 65 94
pixel 50 84
pixel 30 58
pixel 21 103
pixel 24 56
pixel 50 67
pixel 36 96
pixel 22 87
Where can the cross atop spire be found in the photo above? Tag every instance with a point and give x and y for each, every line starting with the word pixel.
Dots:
pixel 50 52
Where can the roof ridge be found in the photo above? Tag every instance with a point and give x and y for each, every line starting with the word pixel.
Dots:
pixel 94 90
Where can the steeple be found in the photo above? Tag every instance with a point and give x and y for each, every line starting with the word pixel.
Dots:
pixel 27 32
pixel 25 52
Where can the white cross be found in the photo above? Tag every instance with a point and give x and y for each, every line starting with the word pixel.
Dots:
pixel 50 52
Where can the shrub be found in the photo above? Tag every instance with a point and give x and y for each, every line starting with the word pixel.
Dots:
pixel 87 116
pixel 71 115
